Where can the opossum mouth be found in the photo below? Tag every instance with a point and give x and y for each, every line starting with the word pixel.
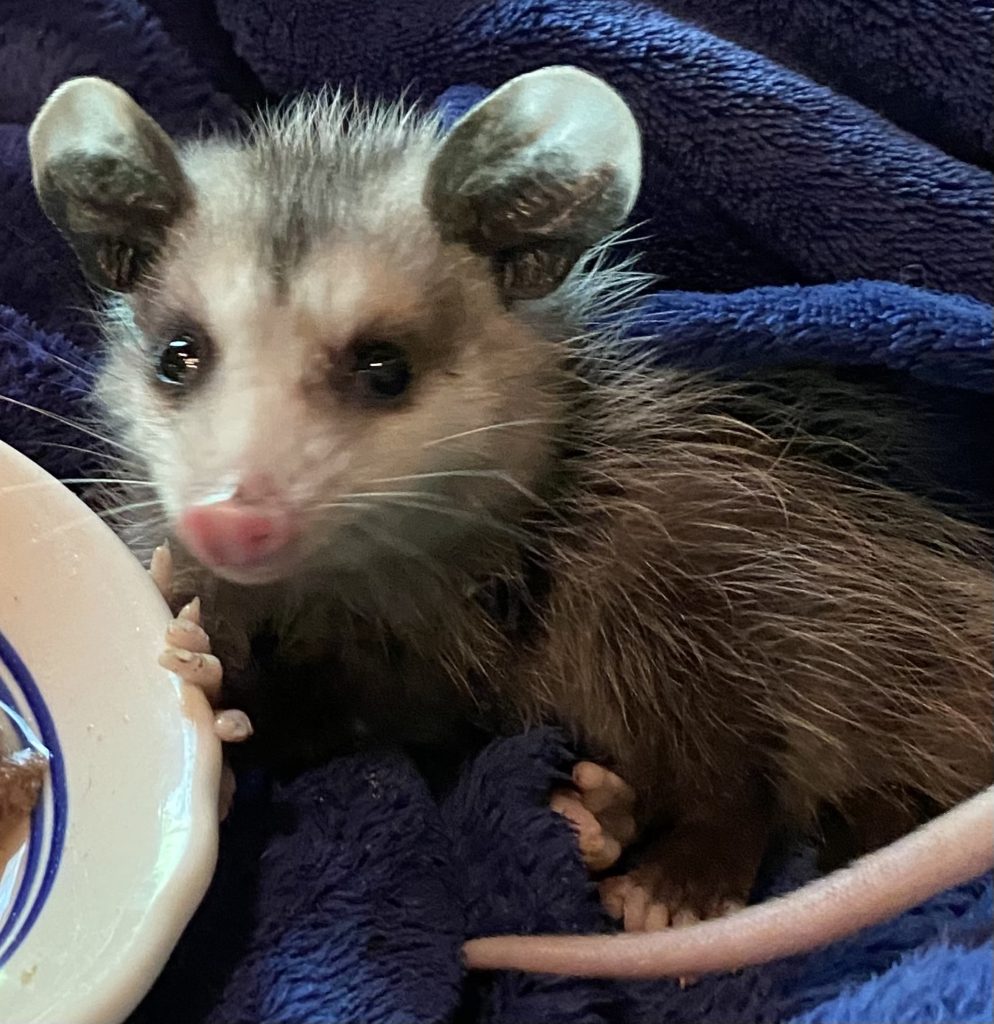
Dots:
pixel 260 574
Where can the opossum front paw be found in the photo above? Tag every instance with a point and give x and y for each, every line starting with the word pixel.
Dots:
pixel 600 808
pixel 188 654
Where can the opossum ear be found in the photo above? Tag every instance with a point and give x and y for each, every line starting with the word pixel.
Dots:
pixel 538 172
pixel 107 176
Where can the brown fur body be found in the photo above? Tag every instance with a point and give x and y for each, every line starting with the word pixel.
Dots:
pixel 743 634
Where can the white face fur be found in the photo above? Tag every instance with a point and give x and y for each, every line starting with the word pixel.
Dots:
pixel 328 313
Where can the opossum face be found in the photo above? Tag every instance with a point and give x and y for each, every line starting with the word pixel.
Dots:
pixel 362 395
pixel 315 343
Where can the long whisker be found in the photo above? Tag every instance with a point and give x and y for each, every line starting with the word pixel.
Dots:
pixel 466 515
pixel 45 482
pixel 103 514
pixel 73 448
pixel 83 369
pixel 407 549
pixel 392 494
pixel 489 474
pixel 68 389
pixel 106 513
pixel 105 480
pixel 343 504
pixel 535 422
pixel 68 423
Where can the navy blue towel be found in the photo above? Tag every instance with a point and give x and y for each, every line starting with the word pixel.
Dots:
pixel 818 188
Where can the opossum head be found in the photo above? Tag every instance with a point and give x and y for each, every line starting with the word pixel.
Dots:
pixel 316 331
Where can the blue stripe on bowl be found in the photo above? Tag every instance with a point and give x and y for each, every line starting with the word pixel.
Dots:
pixel 50 859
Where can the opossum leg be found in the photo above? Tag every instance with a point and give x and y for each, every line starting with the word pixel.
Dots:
pixel 600 807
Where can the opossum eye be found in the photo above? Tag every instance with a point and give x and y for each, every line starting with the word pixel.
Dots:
pixel 180 361
pixel 380 370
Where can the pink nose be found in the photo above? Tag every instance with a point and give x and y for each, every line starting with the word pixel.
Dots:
pixel 231 533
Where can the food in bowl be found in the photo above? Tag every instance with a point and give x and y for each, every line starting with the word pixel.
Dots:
pixel 23 770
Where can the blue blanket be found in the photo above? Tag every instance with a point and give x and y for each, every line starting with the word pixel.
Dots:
pixel 818 187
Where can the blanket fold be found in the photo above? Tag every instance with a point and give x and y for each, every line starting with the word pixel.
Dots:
pixel 818 189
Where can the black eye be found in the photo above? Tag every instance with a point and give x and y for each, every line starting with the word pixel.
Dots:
pixel 180 361
pixel 381 370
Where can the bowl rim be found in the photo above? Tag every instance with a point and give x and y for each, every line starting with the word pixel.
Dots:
pixel 111 996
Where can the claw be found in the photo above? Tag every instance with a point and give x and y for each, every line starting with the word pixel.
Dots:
pixel 161 570
pixel 191 611
pixel 598 849
pixel 202 670
pixel 636 908
pixel 232 726
pixel 187 635
pixel 602 790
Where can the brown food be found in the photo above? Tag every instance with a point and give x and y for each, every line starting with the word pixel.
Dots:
pixel 21 778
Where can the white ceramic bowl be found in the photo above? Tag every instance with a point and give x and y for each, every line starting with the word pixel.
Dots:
pixel 123 843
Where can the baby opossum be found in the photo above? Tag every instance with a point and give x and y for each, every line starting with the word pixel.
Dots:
pixel 368 368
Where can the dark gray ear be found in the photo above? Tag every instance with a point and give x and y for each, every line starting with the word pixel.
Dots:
pixel 538 172
pixel 107 176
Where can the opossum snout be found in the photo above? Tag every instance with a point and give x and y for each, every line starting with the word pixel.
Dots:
pixel 245 540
